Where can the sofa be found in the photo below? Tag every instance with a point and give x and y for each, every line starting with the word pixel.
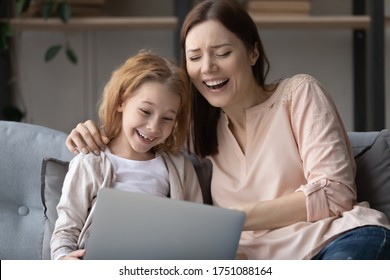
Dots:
pixel 34 161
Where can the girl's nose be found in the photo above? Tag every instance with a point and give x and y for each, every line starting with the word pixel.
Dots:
pixel 153 124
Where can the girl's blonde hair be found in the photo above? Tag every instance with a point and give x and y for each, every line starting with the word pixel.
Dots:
pixel 137 70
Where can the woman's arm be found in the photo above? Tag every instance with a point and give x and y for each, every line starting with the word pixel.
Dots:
pixel 324 148
pixel 86 137
pixel 327 163
pixel 276 213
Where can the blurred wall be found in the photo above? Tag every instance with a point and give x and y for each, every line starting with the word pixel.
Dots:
pixel 59 95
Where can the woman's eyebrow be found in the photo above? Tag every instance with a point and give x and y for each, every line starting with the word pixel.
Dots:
pixel 221 45
pixel 212 47
pixel 192 50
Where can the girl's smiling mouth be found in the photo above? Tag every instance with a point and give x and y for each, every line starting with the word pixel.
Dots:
pixel 145 137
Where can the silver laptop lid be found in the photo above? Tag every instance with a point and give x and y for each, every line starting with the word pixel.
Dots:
pixel 128 225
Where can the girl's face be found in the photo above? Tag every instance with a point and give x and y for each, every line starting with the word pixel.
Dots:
pixel 218 64
pixel 148 118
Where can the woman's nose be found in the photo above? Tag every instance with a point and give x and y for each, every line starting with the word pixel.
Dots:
pixel 208 65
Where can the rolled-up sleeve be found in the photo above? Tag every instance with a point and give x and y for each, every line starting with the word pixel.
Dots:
pixel 328 162
pixel 325 198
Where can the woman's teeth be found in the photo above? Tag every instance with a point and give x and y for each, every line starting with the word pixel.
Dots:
pixel 216 84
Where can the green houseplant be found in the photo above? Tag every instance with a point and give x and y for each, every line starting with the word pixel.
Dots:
pixel 49 8
pixel 26 8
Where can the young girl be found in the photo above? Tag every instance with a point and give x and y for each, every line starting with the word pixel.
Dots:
pixel 145 112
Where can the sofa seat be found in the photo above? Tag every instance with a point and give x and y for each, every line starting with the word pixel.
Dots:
pixel 34 161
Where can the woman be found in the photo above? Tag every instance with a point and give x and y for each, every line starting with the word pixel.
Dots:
pixel 279 151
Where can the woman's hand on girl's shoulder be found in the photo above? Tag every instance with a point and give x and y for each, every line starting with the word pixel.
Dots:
pixel 86 137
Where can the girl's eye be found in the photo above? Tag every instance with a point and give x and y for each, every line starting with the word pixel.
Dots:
pixel 144 112
pixel 168 119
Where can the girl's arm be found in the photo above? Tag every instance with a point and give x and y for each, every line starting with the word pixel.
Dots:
pixel 75 255
pixel 79 190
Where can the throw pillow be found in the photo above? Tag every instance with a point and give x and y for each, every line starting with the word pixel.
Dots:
pixel 373 173
pixel 203 169
pixel 52 177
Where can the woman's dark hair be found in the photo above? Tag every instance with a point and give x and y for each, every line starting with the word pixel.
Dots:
pixel 233 17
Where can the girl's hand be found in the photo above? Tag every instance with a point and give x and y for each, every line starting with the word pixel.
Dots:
pixel 86 137
pixel 75 255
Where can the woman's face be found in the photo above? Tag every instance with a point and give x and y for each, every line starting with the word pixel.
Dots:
pixel 219 65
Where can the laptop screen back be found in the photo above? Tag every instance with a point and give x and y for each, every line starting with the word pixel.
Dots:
pixel 128 225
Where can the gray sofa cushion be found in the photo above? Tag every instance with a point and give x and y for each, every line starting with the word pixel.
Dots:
pixel 52 176
pixel 372 154
pixel 22 148
pixel 203 169
pixel 373 173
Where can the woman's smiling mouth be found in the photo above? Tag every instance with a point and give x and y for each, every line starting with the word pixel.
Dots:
pixel 216 84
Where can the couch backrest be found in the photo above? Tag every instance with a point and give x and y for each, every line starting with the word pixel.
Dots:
pixel 22 148
pixel 26 179
pixel 372 157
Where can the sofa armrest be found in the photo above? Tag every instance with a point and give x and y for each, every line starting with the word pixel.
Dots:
pixel 22 149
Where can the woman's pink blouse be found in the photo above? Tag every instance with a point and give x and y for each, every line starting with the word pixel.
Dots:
pixel 295 142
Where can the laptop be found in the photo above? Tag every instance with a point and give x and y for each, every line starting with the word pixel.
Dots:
pixel 134 226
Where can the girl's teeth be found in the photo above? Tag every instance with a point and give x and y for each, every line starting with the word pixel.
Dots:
pixel 144 136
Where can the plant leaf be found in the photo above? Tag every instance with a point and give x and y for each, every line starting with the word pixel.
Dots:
pixel 52 52
pixel 12 113
pixel 47 9
pixel 71 55
pixel 5 33
pixel 64 11
pixel 22 6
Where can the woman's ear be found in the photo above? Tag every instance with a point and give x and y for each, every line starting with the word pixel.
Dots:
pixel 254 55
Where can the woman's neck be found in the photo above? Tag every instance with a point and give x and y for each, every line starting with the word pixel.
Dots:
pixel 237 113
